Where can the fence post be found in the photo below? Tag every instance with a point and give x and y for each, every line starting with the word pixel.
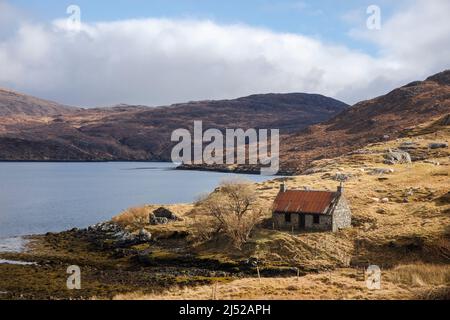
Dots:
pixel 259 275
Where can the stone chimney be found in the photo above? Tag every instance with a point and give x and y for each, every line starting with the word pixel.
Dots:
pixel 282 187
pixel 340 188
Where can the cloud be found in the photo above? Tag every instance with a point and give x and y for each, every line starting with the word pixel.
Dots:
pixel 417 36
pixel 162 61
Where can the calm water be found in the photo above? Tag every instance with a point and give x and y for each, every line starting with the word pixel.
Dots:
pixel 40 197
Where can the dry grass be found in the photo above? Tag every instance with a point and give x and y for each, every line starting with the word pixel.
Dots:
pixel 408 234
pixel 340 284
pixel 421 275
pixel 138 217
pixel 133 218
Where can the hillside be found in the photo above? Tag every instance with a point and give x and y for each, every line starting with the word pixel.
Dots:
pixel 142 133
pixel 16 104
pixel 400 222
pixel 382 118
pixel 312 126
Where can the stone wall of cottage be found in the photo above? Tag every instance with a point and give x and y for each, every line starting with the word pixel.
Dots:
pixel 342 217
pixel 281 224
pixel 325 222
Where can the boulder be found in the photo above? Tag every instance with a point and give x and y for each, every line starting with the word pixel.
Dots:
pixel 157 220
pixel 144 236
pixel 438 145
pixel 164 213
pixel 342 176
pixel 396 156
pixel 380 171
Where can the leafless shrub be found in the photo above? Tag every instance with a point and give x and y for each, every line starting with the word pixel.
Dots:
pixel 202 228
pixel 233 209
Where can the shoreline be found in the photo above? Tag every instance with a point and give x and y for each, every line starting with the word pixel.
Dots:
pixel 244 170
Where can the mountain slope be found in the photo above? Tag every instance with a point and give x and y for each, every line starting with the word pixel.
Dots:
pixel 141 133
pixel 14 104
pixel 369 121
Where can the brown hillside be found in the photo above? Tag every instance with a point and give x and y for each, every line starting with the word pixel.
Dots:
pixel 142 133
pixel 382 118
pixel 16 104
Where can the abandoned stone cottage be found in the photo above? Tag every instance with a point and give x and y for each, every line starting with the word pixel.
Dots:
pixel 304 210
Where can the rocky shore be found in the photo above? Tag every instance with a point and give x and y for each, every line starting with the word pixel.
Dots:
pixel 112 261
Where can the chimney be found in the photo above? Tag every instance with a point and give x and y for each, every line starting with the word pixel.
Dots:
pixel 282 187
pixel 340 188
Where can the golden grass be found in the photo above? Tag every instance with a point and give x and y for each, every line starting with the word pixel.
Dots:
pixel 420 275
pixel 138 217
pixel 133 218
pixel 340 284
pixel 409 232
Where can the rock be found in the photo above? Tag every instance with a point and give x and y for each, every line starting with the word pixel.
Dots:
pixel 438 145
pixel 408 145
pixel 162 216
pixel 341 176
pixel 436 163
pixel 157 220
pixel 144 235
pixel 385 200
pixel 312 171
pixel 380 171
pixel 397 156
pixel 252 261
pixel 105 227
pixel 375 199
pixel 123 236
pixel 165 213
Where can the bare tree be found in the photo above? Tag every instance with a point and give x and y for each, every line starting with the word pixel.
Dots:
pixel 233 209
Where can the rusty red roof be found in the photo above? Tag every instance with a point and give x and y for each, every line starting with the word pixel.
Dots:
pixel 299 201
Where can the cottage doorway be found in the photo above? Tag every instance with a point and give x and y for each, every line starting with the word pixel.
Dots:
pixel 301 222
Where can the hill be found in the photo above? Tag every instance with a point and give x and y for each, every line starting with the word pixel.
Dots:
pixel 383 118
pixel 143 133
pixel 16 104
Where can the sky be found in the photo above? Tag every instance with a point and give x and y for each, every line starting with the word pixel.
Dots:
pixel 163 52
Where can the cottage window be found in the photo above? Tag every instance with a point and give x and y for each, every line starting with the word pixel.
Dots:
pixel 287 217
pixel 316 219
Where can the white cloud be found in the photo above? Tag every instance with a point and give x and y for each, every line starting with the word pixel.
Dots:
pixel 161 61
pixel 415 38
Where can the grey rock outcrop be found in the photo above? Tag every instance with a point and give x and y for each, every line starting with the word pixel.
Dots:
pixel 157 220
pixel 396 156
pixel 144 235
pixel 162 216
pixel 438 145
pixel 380 171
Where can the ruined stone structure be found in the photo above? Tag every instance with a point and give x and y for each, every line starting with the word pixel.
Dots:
pixel 311 210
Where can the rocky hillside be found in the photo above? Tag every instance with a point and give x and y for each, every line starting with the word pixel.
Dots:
pixel 142 133
pixel 16 104
pixel 383 118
